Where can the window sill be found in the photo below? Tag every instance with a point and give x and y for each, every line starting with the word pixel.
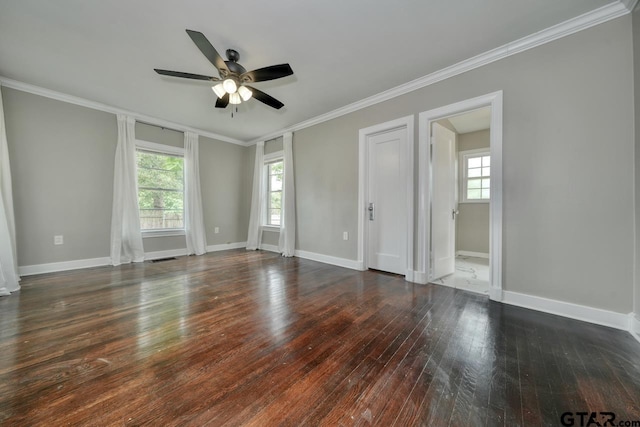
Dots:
pixel 475 201
pixel 161 233
pixel 271 228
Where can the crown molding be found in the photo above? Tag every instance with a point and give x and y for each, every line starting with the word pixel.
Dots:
pixel 629 4
pixel 566 28
pixel 59 96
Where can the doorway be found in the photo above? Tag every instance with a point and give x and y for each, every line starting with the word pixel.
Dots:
pixel 476 186
pixel 465 196
pixel 385 219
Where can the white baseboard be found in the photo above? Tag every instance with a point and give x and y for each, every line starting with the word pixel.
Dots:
pixel 495 294
pixel 150 256
pixel 270 248
pixel 53 267
pixel 30 270
pixel 473 254
pixel 327 259
pixel 419 277
pixel 226 246
pixel 634 326
pixel 567 309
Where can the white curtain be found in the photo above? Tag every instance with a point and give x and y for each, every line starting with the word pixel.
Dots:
pixel 126 238
pixel 287 242
pixel 254 234
pixel 193 217
pixel 9 277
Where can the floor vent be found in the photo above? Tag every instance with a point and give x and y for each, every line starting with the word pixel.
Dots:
pixel 163 259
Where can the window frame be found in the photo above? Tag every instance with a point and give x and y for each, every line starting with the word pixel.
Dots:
pixel 169 150
pixel 464 179
pixel 268 159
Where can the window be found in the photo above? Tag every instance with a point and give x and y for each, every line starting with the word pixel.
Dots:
pixel 160 186
pixel 274 171
pixel 475 176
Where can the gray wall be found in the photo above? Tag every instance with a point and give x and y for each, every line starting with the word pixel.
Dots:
pixel 472 225
pixel 561 238
pixel 62 172
pixel 636 74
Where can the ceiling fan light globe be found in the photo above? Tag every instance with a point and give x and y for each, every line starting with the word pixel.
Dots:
pixel 230 86
pixel 219 90
pixel 234 98
pixel 245 93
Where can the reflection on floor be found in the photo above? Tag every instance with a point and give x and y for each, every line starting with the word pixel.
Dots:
pixel 472 274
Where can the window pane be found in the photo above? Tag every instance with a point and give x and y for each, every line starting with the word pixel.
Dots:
pixel 473 194
pixel 475 162
pixel 486 171
pixel 475 172
pixel 275 200
pixel 275 183
pixel 274 217
pixel 275 168
pixel 160 190
pixel 486 161
pixel 474 183
pixel 485 193
pixel 486 183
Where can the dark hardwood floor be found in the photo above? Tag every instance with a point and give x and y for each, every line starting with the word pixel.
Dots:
pixel 251 338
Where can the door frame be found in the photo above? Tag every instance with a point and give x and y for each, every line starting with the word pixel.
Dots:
pixel 363 183
pixel 493 100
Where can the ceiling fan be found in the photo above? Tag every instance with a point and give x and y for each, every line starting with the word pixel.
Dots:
pixel 232 87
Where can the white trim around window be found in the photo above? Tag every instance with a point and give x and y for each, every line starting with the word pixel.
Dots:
pixel 463 167
pixel 276 156
pixel 168 150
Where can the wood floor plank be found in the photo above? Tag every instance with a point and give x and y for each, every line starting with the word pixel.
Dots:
pixel 251 338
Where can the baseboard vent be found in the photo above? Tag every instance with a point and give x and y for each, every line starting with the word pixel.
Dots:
pixel 163 259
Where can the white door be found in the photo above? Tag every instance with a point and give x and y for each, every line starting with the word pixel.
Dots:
pixel 386 201
pixel 443 201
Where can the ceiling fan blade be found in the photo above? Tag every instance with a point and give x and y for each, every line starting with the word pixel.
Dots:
pixel 185 75
pixel 223 102
pixel 267 73
pixel 266 99
pixel 208 50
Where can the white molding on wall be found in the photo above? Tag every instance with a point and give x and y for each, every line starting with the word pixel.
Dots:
pixel 53 267
pixel 473 254
pixel 419 277
pixel 30 270
pixel 567 309
pixel 59 96
pixel 566 28
pixel 150 256
pixel 406 122
pixel 269 248
pixel 634 326
pixel 327 259
pixel 226 246
pixel 629 4
pixel 425 118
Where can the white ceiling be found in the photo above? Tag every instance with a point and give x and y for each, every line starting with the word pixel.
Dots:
pixel 472 121
pixel 341 51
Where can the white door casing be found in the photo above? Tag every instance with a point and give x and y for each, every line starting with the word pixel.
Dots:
pixel 386 202
pixel 386 180
pixel 426 118
pixel 443 201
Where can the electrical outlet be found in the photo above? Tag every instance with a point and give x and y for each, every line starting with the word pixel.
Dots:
pixel 345 235
pixel 58 240
pixel 216 230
